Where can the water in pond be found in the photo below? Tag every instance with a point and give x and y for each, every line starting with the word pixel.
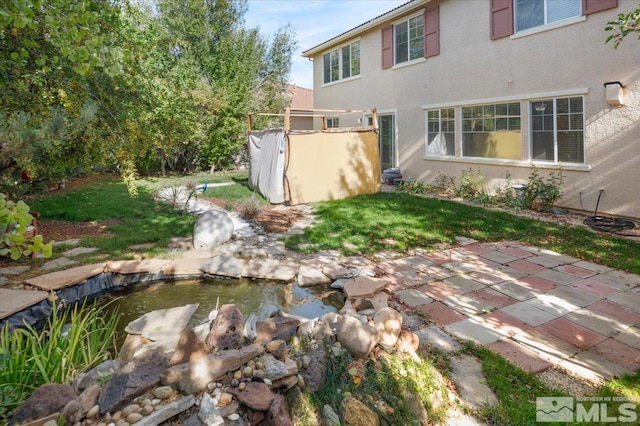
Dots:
pixel 259 297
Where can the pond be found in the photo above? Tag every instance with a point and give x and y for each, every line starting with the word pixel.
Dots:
pixel 259 297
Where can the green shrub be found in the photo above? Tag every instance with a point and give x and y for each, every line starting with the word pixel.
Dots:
pixel 413 186
pixel 471 185
pixel 29 357
pixel 541 194
pixel 16 239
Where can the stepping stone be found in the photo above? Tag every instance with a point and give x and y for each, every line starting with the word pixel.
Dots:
pixel 225 266
pixel 336 271
pixel 362 286
pixel 12 301
pixel 14 270
pixel 66 278
pixel 308 276
pixel 437 338
pixel 518 355
pixel 592 367
pixel 143 246
pixel 413 297
pixel 271 269
pixel 71 243
pixel 79 251
pixel 185 267
pixel 60 262
pixel 472 329
pixel 146 266
pixel 471 382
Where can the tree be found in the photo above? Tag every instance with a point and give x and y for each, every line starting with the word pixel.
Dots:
pixel 623 26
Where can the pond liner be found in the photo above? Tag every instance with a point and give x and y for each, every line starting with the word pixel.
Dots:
pixel 93 288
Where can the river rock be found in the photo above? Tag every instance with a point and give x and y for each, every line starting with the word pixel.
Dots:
pixel 329 416
pixel 388 322
pixel 226 329
pixel 277 348
pixel 189 348
pixel 212 228
pixel 48 399
pixel 256 396
pixel 358 338
pixel 277 327
pixel 132 380
pixel 355 413
pixel 316 369
pixel 163 392
pixel 278 413
pixel 167 411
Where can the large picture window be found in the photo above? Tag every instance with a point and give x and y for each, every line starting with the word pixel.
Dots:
pixel 533 13
pixel 557 130
pixel 341 63
pixel 409 40
pixel 492 131
pixel 440 132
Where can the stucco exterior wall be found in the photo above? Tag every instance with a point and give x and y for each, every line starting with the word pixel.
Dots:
pixel 472 69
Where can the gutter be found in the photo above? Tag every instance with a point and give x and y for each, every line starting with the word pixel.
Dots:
pixel 387 16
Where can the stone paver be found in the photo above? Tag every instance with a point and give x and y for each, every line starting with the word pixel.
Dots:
pixel 598 322
pixel 474 330
pixel 573 333
pixel 14 270
pixel 79 251
pixel 630 337
pixel 437 338
pixel 557 277
pixel 66 278
pixel 146 266
pixel 363 287
pixel 271 269
pixel 505 324
pixel 546 346
pixel 574 296
pixel 621 313
pixel 440 314
pixel 515 290
pixel 592 366
pixel 518 355
pixel 61 262
pixel 528 313
pixel 413 297
pixel 595 288
pixel 224 266
pixel 462 285
pixel 12 301
pixel 309 275
pixel 470 381
pixel 627 299
pixel 619 353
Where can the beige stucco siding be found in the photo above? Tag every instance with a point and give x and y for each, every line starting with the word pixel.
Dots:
pixel 471 69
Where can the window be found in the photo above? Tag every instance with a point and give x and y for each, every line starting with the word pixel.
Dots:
pixel 557 130
pixel 333 123
pixel 440 132
pixel 492 131
pixel 533 13
pixel 409 40
pixel 341 63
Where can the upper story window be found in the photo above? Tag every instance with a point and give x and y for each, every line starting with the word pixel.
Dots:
pixel 341 63
pixel 557 130
pixel 533 13
pixel 409 40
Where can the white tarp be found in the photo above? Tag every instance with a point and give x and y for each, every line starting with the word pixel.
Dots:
pixel 266 163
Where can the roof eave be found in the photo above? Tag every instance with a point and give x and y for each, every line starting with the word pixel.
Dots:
pixel 387 16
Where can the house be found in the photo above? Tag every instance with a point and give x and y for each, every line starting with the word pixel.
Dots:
pixel 497 86
pixel 301 105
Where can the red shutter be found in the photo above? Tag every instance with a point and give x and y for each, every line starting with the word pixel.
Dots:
pixel 501 18
pixel 387 47
pixel 593 6
pixel 432 32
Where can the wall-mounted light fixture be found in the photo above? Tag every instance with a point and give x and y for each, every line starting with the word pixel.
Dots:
pixel 614 93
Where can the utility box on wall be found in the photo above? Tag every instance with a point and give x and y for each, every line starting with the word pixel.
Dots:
pixel 614 92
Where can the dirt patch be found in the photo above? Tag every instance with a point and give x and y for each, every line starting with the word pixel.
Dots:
pixel 278 220
pixel 60 231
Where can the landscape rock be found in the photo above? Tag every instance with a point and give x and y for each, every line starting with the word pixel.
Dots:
pixel 227 328
pixel 189 348
pixel 358 338
pixel 355 413
pixel 278 413
pixel 363 286
pixel 408 342
pixel 84 380
pixel 208 413
pixel 314 373
pixel 277 348
pixel 309 276
pixel 167 411
pixel 329 416
pixel 256 396
pixel 131 380
pixel 388 322
pixel 77 409
pixel 212 228
pixel 275 369
pixel 277 327
pixel 163 392
pixel 163 323
pixel 48 399
pixel 225 266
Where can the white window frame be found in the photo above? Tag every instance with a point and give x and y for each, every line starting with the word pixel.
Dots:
pixel 554 103
pixel 443 147
pixel 332 122
pixel 341 69
pixel 407 21
pixel 546 23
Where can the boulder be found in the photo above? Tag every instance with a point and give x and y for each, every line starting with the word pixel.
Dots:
pixel 212 228
pixel 227 329
pixel 277 327
pixel 189 348
pixel 132 379
pixel 355 413
pixel 85 380
pixel 48 399
pixel 162 324
pixel 388 322
pixel 357 337
pixel 278 413
pixel 315 372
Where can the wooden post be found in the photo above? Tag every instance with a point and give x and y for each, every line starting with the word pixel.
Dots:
pixel 323 125
pixel 374 118
pixel 249 123
pixel 287 120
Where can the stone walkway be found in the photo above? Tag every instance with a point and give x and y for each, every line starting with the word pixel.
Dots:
pixel 537 308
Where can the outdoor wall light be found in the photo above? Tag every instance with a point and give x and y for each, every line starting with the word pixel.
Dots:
pixel 614 93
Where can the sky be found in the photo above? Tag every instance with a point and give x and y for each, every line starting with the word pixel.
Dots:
pixel 313 22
